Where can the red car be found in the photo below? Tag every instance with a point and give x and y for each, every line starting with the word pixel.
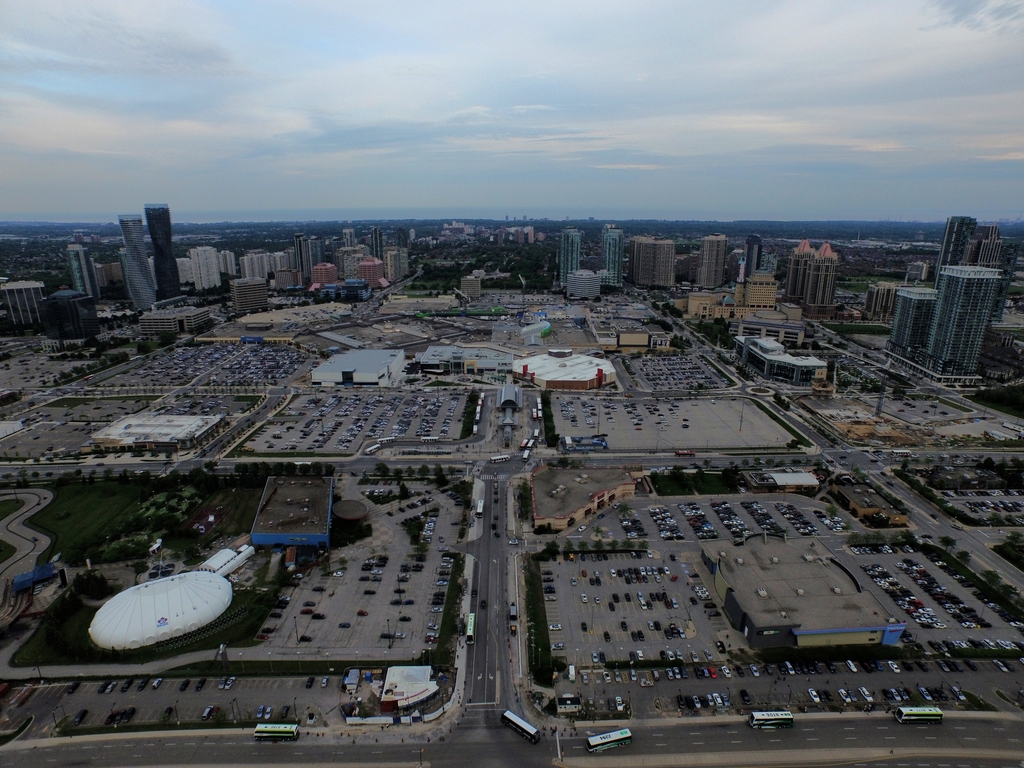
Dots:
pixel 714 674
pixel 361 612
pixel 306 611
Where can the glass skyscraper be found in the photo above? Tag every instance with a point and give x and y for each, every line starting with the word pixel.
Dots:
pixel 138 277
pixel 569 249
pixel 165 266
pixel 612 243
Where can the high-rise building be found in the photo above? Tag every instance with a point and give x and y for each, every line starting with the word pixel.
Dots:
pixel 205 267
pixel 108 274
pixel 569 250
pixel 165 267
pixel 396 262
pixel 70 316
pixel 372 271
pixel 347 259
pixel 23 300
pixel 752 252
pixel 811 280
pixel 711 262
pixel 185 271
pixel 880 301
pixel 652 262
pixel 1007 267
pixel 376 243
pixel 83 271
pixel 959 231
pixel 303 254
pixel 758 291
pixel 138 277
pixel 917 271
pixel 911 323
pixel 325 273
pixel 348 238
pixel 962 313
pixel 401 238
pixel 470 285
pixel 583 283
pixel 612 244
pixel 249 294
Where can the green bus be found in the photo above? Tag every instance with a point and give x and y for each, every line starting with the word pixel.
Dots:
pixel 276 732
pixel 780 718
pixel 918 715
pixel 609 740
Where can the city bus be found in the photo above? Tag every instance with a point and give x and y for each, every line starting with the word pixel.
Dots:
pixel 901 453
pixel 536 434
pixel 501 458
pixel 609 740
pixel 373 449
pixel 276 732
pixel 526 455
pixel 471 629
pixel 522 445
pixel 918 715
pixel 530 443
pixel 432 439
pixel 480 508
pixel 781 718
pixel 386 440
pixel 520 726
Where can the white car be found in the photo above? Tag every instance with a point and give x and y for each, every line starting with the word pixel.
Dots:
pixel 583 597
pixel 851 665
pixel 814 695
pixel 640 655
pixel 894 667
pixel 555 627
pixel 593 657
pixel 845 696
pixel 726 671
pixel 754 670
pixel 597 599
pixel 582 528
pixel 632 674
pixel 619 706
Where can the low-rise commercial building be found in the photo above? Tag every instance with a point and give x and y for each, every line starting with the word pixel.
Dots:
pixel 566 498
pixel 294 511
pixel 166 432
pixel 361 368
pixel 561 369
pixel 864 503
pixel 770 359
pixel 781 481
pixel 448 359
pixel 178 320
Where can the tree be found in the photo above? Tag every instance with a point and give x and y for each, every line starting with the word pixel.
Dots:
pixel 963 556
pixel 991 578
pixel 423 472
pixel 382 469
pixel 568 547
pixel 440 478
pixel 1014 540
pixel 948 542
pixel 403 492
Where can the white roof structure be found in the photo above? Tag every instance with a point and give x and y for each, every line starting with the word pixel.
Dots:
pixel 164 428
pixel 794 478
pixel 569 368
pixel 159 610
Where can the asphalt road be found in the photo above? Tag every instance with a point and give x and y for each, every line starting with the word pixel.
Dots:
pixel 27 543
pixel 962 741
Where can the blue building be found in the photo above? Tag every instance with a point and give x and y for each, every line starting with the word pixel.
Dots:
pixel 294 511
pixel 355 289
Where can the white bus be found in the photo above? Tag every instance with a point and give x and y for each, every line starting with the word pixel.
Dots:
pixel 471 629
pixel 918 715
pixel 499 459
pixel 536 434
pixel 480 508
pixel 276 732
pixel 386 440
pixel 432 439
pixel 520 726
pixel 373 449
pixel 901 453
pixel 781 718
pixel 526 455
pixel 609 740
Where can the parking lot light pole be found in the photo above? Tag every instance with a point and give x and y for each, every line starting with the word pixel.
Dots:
pixel 177 717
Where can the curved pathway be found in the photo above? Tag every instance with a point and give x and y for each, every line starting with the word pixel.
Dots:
pixel 14 531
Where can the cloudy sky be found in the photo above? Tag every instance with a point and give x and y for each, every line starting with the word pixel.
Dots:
pixel 732 109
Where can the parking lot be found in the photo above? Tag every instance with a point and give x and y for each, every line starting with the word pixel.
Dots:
pixel 344 422
pixel 995 507
pixel 661 372
pixel 382 589
pixel 661 424
pixel 216 364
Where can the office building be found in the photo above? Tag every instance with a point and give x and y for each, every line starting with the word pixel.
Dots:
pixel 139 283
pixel 612 244
pixel 108 274
pixel 652 262
pixel 348 259
pixel 583 284
pixel 770 358
pixel 324 273
pixel 70 316
pixel 185 271
pixel 165 267
pixel 354 289
pixel 285 279
pixel 23 300
pixel 348 238
pixel 918 271
pixel 396 262
pixel 753 253
pixel 376 244
pixel 83 271
pixel 880 301
pixel 758 291
pixel 569 250
pixel 470 286
pixel 959 232
pixel 711 262
pixel 401 238
pixel 249 294
pixel 176 321
pixel 811 281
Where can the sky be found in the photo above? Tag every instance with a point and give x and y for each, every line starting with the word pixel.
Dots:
pixel 733 109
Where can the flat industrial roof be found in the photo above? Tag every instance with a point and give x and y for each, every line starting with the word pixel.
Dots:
pixel 437 353
pixel 364 360
pixel 572 368
pixel 163 429
pixel 800 580
pixel 560 492
pixel 294 504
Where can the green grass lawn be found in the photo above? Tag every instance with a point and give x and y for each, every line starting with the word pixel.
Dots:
pixel 71 402
pixel 706 483
pixel 79 514
pixel 6 550
pixel 241 505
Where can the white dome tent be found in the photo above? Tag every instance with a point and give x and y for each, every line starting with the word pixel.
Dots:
pixel 160 610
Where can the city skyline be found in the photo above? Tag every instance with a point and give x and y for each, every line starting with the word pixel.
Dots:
pixel 380 112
